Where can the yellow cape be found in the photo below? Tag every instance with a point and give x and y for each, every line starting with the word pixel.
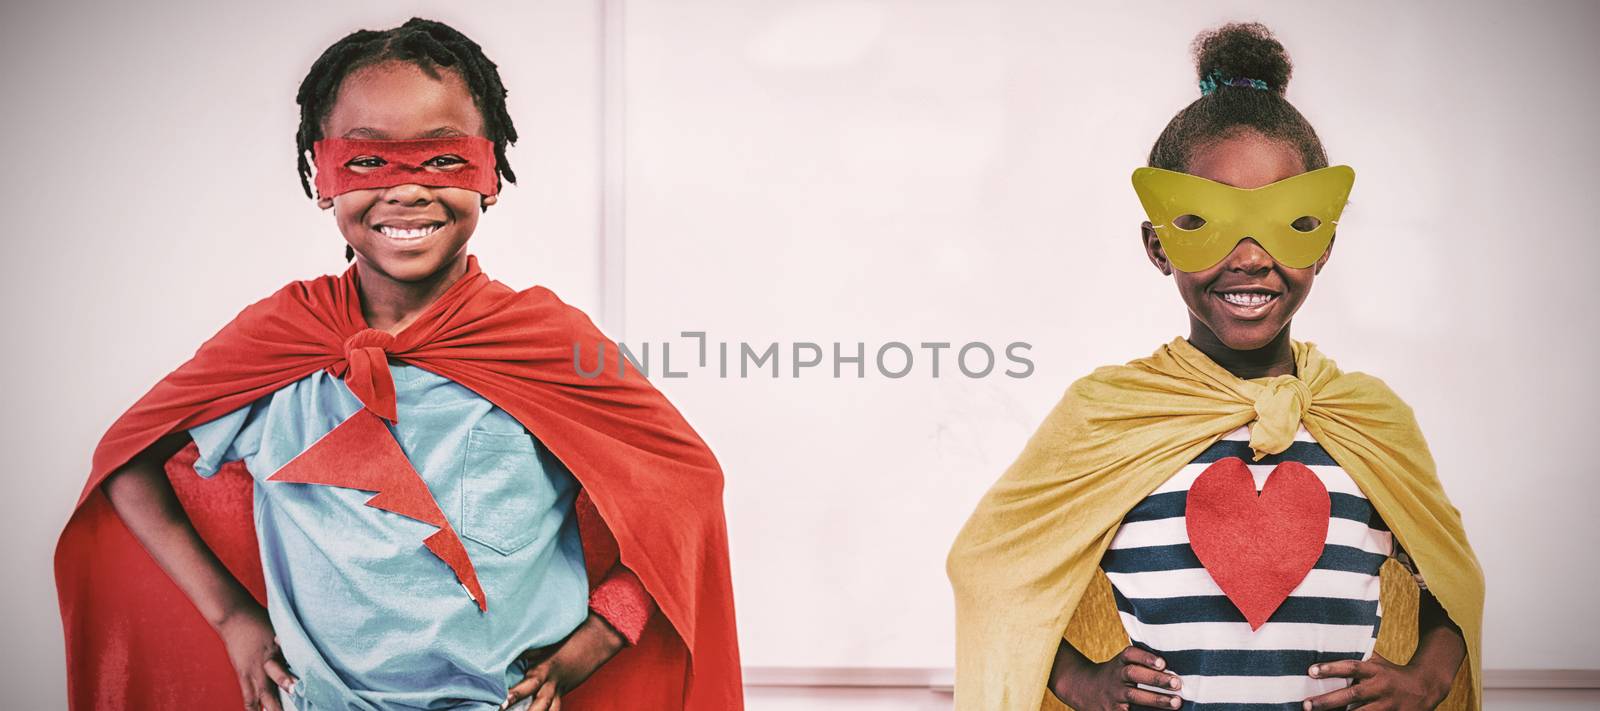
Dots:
pixel 1027 562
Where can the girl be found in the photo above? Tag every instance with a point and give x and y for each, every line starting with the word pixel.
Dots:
pixel 1240 493
pixel 445 514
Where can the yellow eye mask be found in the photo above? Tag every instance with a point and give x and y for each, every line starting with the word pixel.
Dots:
pixel 1199 221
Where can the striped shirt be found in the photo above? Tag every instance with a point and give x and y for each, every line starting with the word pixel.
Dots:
pixel 1170 605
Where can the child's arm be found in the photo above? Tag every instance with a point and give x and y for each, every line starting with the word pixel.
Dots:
pixel 1421 684
pixel 555 670
pixel 619 609
pixel 1424 682
pixel 143 497
pixel 1440 646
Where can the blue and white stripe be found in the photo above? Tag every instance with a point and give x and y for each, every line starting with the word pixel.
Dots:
pixel 1170 605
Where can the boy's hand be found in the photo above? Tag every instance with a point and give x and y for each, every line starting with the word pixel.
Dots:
pixel 561 667
pixel 1088 686
pixel 1379 685
pixel 257 662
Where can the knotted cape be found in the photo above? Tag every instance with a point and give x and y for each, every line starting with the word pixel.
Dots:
pixel 1025 567
pixel 134 641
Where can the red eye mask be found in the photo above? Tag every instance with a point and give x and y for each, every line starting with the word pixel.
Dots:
pixel 345 164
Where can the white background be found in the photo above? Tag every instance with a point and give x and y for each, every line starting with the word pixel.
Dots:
pixel 841 172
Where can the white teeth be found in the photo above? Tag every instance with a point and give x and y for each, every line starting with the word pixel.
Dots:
pixel 1248 299
pixel 397 233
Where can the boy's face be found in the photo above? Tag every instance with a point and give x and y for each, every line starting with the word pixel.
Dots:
pixel 1245 160
pixel 410 232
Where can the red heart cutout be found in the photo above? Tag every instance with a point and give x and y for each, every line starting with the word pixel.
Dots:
pixel 1257 547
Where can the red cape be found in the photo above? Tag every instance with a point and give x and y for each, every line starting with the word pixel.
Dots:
pixel 134 641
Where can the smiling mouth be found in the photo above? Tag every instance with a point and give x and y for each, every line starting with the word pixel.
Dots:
pixel 1247 305
pixel 1248 299
pixel 407 234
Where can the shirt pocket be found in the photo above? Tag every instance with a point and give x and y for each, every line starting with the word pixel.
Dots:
pixel 505 490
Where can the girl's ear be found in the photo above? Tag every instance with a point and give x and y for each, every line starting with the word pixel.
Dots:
pixel 1326 253
pixel 1152 248
pixel 325 203
pixel 490 200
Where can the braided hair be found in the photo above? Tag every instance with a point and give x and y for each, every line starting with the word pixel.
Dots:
pixel 425 43
pixel 1233 62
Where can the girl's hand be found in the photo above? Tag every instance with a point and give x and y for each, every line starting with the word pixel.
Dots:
pixel 1110 685
pixel 559 668
pixel 1380 685
pixel 253 649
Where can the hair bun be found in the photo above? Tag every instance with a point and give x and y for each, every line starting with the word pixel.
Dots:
pixel 1243 50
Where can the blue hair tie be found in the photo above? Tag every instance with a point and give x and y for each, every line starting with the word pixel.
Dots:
pixel 1217 79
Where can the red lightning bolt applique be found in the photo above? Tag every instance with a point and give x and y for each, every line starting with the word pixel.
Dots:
pixel 361 454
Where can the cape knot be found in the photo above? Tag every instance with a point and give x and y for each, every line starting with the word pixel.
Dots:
pixel 1280 404
pixel 369 338
pixel 366 371
pixel 1286 392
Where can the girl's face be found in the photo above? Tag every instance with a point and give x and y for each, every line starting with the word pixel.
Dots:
pixel 1245 160
pixel 397 100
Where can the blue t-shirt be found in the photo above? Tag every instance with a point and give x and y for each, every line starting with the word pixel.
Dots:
pixel 366 616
